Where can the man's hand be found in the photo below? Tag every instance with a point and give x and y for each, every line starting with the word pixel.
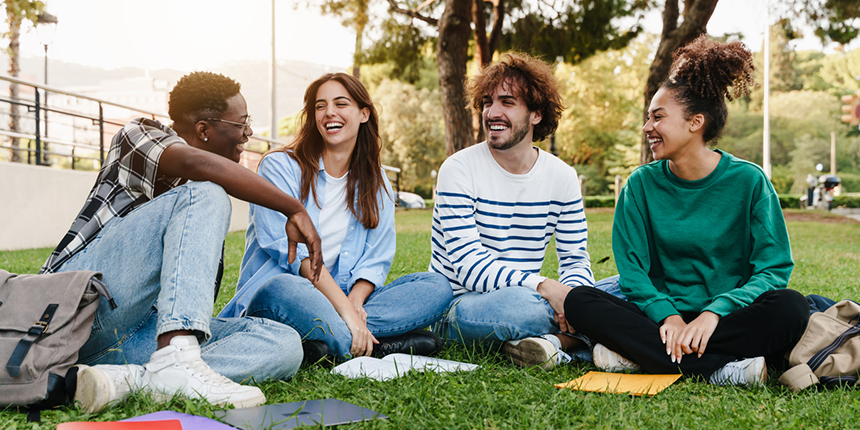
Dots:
pixel 695 337
pixel 300 229
pixel 670 332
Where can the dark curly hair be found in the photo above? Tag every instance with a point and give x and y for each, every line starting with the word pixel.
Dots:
pixel 200 95
pixel 531 79
pixel 700 77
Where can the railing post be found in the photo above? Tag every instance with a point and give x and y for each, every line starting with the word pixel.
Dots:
pixel 37 133
pixel 617 188
pixel 582 187
pixel 73 158
pixel 101 136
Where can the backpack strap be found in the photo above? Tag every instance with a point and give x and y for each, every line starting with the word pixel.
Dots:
pixel 13 366
pixel 816 360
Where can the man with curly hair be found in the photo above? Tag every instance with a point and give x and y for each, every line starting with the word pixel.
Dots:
pixel 154 225
pixel 498 204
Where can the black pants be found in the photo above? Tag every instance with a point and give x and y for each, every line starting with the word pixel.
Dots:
pixel 768 327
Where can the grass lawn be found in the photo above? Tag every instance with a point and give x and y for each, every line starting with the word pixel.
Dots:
pixel 499 395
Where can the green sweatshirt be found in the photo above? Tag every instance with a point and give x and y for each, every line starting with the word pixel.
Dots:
pixel 714 244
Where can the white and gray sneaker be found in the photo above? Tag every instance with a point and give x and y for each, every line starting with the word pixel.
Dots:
pixel 101 385
pixel 178 369
pixel 544 351
pixel 750 372
pixel 610 361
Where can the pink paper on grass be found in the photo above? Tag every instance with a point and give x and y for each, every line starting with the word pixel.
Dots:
pixel 122 425
pixel 621 383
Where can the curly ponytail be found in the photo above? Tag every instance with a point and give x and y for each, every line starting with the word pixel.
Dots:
pixel 701 75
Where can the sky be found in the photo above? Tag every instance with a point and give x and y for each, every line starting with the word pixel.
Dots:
pixel 190 35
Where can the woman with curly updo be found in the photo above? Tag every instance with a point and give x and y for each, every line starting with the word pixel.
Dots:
pixel 699 240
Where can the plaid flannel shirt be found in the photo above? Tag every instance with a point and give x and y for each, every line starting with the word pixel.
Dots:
pixel 127 180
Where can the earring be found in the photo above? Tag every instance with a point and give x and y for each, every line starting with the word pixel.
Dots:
pixel 205 139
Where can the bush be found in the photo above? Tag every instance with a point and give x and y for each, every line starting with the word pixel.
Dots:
pixel 792 201
pixel 599 201
pixel 850 182
pixel 423 190
pixel 782 177
pixel 846 201
pixel 789 201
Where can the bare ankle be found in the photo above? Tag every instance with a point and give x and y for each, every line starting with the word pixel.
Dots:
pixel 568 342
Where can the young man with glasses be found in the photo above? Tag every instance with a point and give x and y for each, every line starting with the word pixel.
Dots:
pixel 154 225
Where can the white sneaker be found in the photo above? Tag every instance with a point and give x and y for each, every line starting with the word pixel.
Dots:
pixel 178 369
pixel 544 351
pixel 610 361
pixel 749 372
pixel 103 384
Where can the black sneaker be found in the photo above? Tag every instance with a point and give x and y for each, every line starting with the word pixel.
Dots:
pixel 317 351
pixel 415 342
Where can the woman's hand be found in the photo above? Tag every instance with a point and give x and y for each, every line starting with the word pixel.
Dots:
pixel 695 337
pixel 670 332
pixel 362 339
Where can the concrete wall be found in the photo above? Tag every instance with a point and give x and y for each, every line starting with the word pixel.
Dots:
pixel 38 204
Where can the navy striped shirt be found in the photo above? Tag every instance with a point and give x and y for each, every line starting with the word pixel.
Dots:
pixel 491 227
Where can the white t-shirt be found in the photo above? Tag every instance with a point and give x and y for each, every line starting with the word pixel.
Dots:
pixel 334 217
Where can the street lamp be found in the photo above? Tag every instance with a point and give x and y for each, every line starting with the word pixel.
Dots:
pixel 46 27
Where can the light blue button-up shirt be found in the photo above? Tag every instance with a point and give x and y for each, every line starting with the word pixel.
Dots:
pixel 364 254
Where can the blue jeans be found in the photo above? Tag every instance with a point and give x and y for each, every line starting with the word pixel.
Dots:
pixel 410 302
pixel 160 263
pixel 504 314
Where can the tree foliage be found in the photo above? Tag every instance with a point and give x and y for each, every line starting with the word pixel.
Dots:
pixel 412 131
pixel 836 20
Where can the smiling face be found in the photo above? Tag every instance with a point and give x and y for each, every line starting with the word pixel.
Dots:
pixel 669 133
pixel 507 120
pixel 338 116
pixel 226 139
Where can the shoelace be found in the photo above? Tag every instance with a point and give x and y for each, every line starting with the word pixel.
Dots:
pixel 199 367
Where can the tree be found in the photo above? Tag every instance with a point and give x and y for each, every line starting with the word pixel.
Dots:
pixel 835 20
pixel 354 14
pixel 412 131
pixel 17 11
pixel 573 30
pixel 696 15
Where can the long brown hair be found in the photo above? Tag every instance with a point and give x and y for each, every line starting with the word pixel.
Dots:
pixel 365 168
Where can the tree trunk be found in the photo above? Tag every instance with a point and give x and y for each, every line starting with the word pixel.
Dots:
pixel 485 46
pixel 14 22
pixel 452 56
pixel 360 24
pixel 697 13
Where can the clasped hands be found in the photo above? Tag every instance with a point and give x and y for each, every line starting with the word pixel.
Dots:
pixel 681 338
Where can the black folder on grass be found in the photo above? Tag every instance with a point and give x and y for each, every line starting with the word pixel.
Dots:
pixel 327 412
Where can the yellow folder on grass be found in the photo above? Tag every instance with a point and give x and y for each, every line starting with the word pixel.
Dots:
pixel 638 385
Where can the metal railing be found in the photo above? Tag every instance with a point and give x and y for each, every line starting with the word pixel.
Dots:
pixel 80 127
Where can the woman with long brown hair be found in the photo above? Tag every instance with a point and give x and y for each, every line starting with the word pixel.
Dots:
pixel 333 167
pixel 699 240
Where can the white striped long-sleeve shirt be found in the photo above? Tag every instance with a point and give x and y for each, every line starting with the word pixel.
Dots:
pixel 491 228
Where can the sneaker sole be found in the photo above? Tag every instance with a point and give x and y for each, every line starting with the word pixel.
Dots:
pixel 528 353
pixel 256 399
pixel 94 390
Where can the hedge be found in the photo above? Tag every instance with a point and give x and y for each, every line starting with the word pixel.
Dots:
pixel 786 201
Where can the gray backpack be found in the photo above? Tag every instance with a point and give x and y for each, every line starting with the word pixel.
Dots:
pixel 44 321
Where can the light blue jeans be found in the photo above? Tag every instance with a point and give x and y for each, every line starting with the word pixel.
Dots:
pixel 160 263
pixel 410 302
pixel 504 314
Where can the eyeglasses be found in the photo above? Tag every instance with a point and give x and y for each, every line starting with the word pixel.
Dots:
pixel 244 125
